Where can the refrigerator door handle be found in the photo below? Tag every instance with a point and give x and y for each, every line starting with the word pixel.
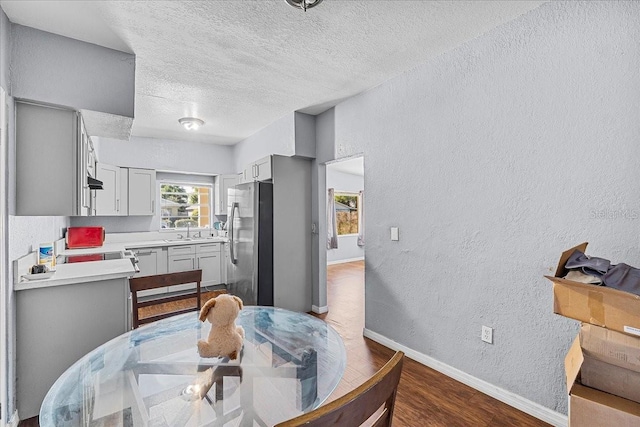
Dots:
pixel 232 251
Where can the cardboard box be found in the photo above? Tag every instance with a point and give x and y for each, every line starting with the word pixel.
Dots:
pixel 589 407
pixel 610 378
pixel 597 305
pixel 610 347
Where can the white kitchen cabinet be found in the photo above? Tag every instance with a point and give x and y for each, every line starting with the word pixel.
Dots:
pixel 124 192
pixel 260 170
pixel 113 199
pixel 108 199
pixel 224 257
pixel 182 258
pixel 52 154
pixel 205 257
pixel 208 260
pixel 151 261
pixel 221 190
pixel 71 321
pixel 142 191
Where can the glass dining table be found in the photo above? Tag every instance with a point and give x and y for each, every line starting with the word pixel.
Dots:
pixel 153 376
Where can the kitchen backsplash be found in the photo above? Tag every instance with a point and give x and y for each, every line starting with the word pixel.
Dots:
pixel 124 224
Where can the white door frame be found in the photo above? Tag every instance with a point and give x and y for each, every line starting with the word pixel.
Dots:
pixel 4 265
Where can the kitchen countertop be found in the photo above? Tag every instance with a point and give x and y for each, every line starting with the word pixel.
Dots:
pixel 172 242
pixel 83 272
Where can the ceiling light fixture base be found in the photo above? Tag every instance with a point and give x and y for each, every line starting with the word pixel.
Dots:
pixel 191 123
pixel 303 4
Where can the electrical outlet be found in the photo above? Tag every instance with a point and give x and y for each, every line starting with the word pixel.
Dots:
pixel 395 234
pixel 487 334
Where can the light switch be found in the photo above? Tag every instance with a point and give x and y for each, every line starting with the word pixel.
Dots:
pixel 394 234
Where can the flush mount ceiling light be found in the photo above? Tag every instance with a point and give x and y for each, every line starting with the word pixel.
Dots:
pixel 303 4
pixel 191 123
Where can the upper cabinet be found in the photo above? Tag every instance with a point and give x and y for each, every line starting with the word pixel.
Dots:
pixel 142 191
pixel 222 185
pixel 260 170
pixel 53 155
pixel 120 185
pixel 108 200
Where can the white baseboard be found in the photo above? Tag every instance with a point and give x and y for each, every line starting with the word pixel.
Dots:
pixel 342 261
pixel 319 310
pixel 525 405
pixel 15 420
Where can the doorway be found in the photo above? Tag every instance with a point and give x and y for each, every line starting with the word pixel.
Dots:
pixel 345 219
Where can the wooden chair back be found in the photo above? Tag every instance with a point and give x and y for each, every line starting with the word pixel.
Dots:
pixel 138 284
pixel 357 406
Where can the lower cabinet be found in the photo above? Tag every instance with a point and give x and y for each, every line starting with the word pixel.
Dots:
pixel 207 257
pixel 151 261
pixel 79 317
pixel 182 258
pixel 208 260
pixel 224 255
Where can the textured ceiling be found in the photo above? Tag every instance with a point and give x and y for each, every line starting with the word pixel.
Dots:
pixel 240 65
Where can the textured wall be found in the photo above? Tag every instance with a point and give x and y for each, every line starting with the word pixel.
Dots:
pixel 132 224
pixel 325 141
pixel 25 233
pixel 51 68
pixel 277 138
pixel 492 159
pixel 305 135
pixel 167 155
pixel 325 136
pixel 5 29
pixel 347 245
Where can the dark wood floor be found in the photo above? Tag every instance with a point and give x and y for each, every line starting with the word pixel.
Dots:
pixel 425 397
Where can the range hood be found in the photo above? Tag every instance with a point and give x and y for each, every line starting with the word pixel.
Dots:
pixel 94 184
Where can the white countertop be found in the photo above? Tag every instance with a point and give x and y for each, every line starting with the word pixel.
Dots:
pixel 173 242
pixel 82 272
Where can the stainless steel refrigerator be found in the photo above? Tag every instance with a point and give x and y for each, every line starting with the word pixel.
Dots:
pixel 250 232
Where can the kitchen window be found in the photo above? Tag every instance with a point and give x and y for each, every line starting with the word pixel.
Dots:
pixel 346 213
pixel 185 205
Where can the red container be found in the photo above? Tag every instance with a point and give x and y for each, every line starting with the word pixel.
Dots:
pixel 84 258
pixel 84 237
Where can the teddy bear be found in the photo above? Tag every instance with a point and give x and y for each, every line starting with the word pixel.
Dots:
pixel 225 338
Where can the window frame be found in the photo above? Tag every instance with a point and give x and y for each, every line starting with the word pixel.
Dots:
pixel 178 183
pixel 347 193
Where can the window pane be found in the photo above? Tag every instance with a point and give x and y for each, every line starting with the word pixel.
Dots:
pixel 347 213
pixel 183 205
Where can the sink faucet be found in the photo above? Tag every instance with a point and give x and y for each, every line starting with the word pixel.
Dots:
pixel 187 229
pixel 198 234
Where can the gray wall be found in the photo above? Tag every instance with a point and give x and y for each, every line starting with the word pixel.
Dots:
pixel 24 232
pixel 276 138
pixel 348 248
pixel 5 30
pixel 492 159
pixel 167 155
pixel 59 70
pixel 305 135
pixel 131 224
pixel 325 142
pixel 7 346
pixel 186 157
